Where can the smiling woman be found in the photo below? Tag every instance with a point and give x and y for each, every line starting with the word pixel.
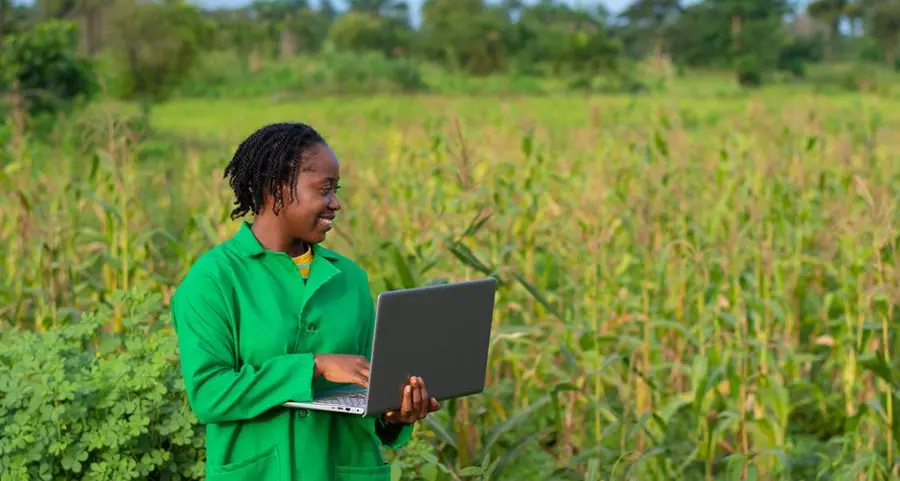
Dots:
pixel 271 316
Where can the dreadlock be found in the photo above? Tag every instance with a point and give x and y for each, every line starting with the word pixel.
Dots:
pixel 266 161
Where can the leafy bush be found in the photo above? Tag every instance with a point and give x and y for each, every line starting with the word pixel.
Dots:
pixel 224 75
pixel 79 405
pixel 152 75
pixel 43 65
pixel 851 77
pixel 749 71
pixel 371 72
pixel 365 32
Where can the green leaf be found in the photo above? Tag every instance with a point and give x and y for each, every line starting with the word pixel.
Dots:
pixel 471 471
pixel 521 417
pixel 877 365
pixel 538 296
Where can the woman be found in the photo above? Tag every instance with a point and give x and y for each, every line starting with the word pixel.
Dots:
pixel 271 316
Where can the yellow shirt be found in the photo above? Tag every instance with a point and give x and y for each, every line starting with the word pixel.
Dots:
pixel 303 261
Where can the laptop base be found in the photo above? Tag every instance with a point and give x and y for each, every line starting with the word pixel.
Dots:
pixel 341 400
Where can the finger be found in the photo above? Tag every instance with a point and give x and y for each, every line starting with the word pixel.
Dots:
pixel 406 405
pixel 410 415
pixel 423 408
pixel 416 400
pixel 425 404
pixel 362 376
pixel 434 405
pixel 363 363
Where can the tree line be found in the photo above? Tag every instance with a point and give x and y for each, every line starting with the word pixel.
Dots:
pixel 481 37
pixel 157 41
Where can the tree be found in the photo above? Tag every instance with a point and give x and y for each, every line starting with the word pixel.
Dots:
pixel 567 39
pixel 238 31
pixel 360 32
pixel 282 17
pixel 13 17
pixel 159 43
pixel 652 19
pixel 829 12
pixel 6 10
pixel 746 35
pixel 466 35
pixel 883 20
pixel 390 9
pixel 42 68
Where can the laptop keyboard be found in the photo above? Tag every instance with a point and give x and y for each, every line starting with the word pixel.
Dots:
pixel 351 400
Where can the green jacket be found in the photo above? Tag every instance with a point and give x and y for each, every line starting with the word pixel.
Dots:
pixel 247 327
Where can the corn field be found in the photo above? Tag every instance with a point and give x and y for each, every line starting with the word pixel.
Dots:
pixel 690 289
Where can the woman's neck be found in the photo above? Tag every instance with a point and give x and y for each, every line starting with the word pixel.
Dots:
pixel 272 238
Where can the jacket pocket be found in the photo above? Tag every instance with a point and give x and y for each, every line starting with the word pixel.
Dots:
pixel 363 473
pixel 261 467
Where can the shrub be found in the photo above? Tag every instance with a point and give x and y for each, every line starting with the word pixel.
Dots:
pixel 152 75
pixel 344 72
pixel 332 72
pixel 851 77
pixel 225 74
pixel 749 71
pixel 78 405
pixel 43 65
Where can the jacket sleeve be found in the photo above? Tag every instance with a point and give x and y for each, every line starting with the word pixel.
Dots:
pixel 392 436
pixel 218 389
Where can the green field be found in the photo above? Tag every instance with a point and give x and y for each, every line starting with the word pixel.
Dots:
pixel 692 287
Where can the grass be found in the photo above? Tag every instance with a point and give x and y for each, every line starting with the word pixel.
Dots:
pixel 692 288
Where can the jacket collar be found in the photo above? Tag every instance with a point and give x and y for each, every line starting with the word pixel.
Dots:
pixel 248 245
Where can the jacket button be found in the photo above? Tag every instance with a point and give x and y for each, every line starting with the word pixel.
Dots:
pixel 303 413
pixel 312 327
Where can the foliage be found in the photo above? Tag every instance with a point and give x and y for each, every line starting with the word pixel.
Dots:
pixel 81 404
pixel 290 24
pixel 44 67
pixel 692 287
pixel 14 17
pixel 466 35
pixel 364 32
pixel 335 72
pixel 366 73
pixel 697 286
pixel 851 77
pixel 759 41
pixel 157 45
pixel 884 19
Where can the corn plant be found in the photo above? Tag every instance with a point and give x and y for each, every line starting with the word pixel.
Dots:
pixel 689 288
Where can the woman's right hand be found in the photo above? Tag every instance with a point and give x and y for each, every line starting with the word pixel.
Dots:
pixel 343 369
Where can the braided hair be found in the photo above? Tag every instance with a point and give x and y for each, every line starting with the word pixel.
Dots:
pixel 267 160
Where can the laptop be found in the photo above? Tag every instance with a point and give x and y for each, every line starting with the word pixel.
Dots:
pixel 440 333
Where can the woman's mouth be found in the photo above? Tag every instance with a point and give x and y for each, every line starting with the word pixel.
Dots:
pixel 326 222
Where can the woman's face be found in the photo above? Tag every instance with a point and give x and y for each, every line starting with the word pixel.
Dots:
pixel 310 215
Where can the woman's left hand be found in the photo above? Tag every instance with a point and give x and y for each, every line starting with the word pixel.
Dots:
pixel 415 404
